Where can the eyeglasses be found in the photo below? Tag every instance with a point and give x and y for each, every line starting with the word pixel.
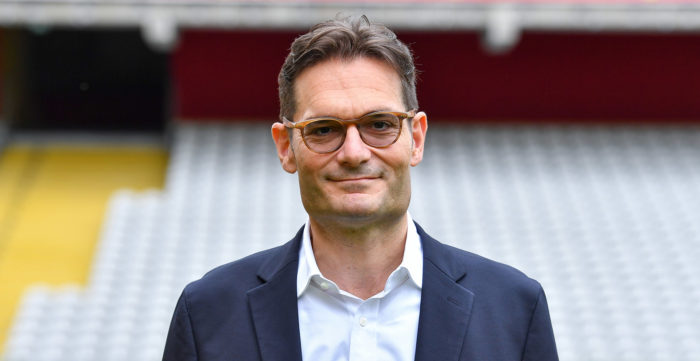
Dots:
pixel 327 134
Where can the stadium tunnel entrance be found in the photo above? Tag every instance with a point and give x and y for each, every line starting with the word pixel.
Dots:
pixel 102 80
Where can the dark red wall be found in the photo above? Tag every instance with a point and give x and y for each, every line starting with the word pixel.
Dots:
pixel 228 75
pixel 599 77
pixel 561 76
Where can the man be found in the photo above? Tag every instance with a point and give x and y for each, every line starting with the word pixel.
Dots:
pixel 360 281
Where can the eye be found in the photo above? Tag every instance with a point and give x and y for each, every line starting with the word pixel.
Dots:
pixel 323 128
pixel 380 122
pixel 380 125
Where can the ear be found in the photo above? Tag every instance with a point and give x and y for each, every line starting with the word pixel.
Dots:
pixel 419 126
pixel 281 137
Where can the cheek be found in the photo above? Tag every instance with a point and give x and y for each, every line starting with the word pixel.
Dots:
pixel 306 174
pixel 400 171
pixel 310 177
pixel 402 159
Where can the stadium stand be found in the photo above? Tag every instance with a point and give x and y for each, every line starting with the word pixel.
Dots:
pixel 53 197
pixel 604 216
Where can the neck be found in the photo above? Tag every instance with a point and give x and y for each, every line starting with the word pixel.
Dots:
pixel 359 259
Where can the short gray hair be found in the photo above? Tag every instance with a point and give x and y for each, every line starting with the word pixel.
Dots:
pixel 346 39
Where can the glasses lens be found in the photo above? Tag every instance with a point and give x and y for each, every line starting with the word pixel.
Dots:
pixel 379 129
pixel 324 135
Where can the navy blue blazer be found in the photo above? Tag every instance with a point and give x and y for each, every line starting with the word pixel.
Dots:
pixel 471 308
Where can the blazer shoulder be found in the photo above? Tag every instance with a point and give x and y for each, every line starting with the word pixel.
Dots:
pixel 478 273
pixel 494 272
pixel 509 313
pixel 234 277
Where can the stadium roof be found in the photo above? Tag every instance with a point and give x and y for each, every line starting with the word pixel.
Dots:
pixel 502 21
pixel 597 15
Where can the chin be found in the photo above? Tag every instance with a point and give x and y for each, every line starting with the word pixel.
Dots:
pixel 365 212
pixel 361 204
pixel 352 211
pixel 357 212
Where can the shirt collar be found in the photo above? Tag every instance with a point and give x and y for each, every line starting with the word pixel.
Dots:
pixel 412 258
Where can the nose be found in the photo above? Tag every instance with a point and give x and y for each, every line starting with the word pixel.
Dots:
pixel 354 151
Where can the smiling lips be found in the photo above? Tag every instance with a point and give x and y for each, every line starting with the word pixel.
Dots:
pixel 354 175
pixel 353 179
pixel 353 184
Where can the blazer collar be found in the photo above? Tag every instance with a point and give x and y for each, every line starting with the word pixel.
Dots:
pixel 446 306
pixel 273 304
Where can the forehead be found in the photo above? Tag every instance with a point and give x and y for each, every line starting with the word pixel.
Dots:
pixel 347 88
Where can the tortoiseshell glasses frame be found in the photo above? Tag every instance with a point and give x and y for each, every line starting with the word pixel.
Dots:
pixel 327 134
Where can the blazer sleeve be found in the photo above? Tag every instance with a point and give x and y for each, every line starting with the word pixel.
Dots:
pixel 180 344
pixel 540 345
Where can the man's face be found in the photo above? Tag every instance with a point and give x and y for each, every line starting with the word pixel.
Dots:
pixel 356 183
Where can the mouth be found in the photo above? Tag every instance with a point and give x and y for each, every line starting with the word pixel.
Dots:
pixel 353 184
pixel 353 179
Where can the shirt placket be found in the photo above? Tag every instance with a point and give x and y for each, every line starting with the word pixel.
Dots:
pixel 363 336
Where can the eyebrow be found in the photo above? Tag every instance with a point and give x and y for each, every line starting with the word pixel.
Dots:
pixel 331 116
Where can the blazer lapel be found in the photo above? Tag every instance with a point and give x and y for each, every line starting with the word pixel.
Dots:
pixel 273 305
pixel 444 312
pixel 446 306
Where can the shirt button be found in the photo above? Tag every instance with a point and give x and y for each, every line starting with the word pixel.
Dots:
pixel 324 285
pixel 363 321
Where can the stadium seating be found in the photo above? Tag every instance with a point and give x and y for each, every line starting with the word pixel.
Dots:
pixel 602 215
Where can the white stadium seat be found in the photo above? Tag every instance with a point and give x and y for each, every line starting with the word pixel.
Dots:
pixel 605 217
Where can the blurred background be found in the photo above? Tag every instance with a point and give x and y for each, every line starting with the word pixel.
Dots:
pixel 135 155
